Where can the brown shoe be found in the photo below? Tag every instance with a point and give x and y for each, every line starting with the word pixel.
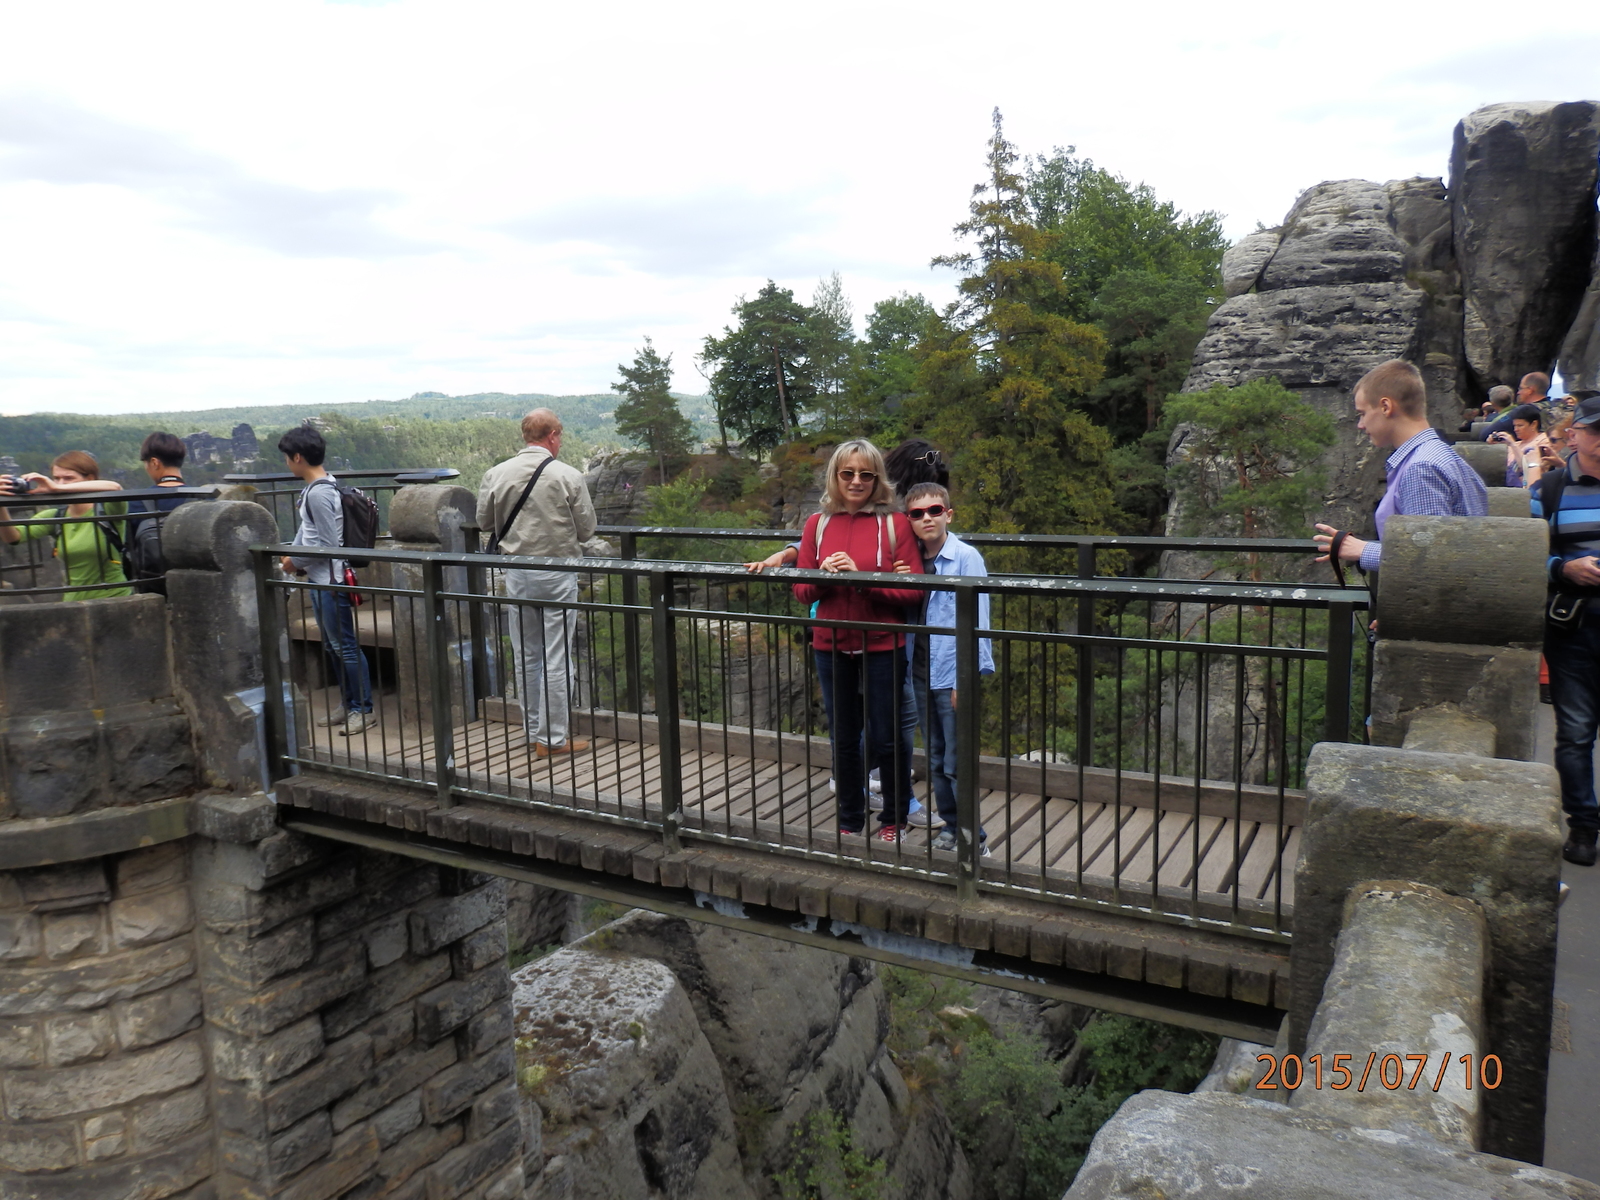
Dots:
pixel 570 746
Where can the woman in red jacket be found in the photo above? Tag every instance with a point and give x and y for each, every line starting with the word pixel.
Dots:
pixel 858 530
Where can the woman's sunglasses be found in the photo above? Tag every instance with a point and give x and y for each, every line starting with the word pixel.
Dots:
pixel 864 476
pixel 933 510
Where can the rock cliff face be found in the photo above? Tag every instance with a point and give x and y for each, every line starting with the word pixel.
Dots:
pixel 676 1059
pixel 1476 284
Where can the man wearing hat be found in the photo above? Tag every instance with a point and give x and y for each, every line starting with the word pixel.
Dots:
pixel 1570 501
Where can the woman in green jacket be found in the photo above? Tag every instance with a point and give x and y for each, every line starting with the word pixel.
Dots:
pixel 92 562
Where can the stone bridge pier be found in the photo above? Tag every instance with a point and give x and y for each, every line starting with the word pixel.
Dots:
pixel 194 1002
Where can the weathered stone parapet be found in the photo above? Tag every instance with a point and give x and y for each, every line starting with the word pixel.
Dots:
pixel 1485 829
pixel 102 1065
pixel 1447 729
pixel 1498 684
pixel 1471 580
pixel 1407 979
pixel 357 1019
pixel 216 630
pixel 431 516
pixel 88 715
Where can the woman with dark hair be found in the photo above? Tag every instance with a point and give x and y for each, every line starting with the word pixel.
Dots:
pixel 1525 447
pixel 90 551
pixel 862 672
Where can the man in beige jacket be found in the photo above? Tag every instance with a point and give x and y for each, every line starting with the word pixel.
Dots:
pixel 553 522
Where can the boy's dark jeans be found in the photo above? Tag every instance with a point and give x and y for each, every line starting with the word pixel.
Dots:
pixel 1574 659
pixel 862 694
pixel 939 735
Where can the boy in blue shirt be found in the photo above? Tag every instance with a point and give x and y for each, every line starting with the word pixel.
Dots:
pixel 928 506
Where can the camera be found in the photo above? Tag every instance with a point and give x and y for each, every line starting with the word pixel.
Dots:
pixel 19 485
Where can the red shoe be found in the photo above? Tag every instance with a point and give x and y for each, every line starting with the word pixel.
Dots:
pixel 890 833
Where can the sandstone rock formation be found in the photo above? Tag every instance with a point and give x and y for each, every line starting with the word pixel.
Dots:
pixel 789 1031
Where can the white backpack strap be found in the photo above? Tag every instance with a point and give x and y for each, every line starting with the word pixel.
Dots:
pixel 822 523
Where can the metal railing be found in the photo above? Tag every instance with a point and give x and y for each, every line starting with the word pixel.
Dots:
pixel 47 563
pixel 277 492
pixel 1139 747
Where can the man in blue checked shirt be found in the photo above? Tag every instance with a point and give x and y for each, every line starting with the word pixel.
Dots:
pixel 1570 500
pixel 928 506
pixel 1426 477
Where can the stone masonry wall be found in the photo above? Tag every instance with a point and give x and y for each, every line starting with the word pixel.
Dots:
pixel 359 1024
pixel 102 1060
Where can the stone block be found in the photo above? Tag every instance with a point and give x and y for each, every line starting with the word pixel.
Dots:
pixel 488 1029
pixel 90 983
pixel 379 902
pixel 78 1038
pixel 239 819
pixel 52 774
pixel 386 941
pixel 397 1120
pixel 21 1045
pixel 21 936
pixel 162 1122
pixel 43 645
pixel 391 1031
pixel 468 1164
pixel 404 1072
pixel 297 1147
pixel 10 891
pixel 71 885
pixel 392 986
pixel 1407 979
pixel 254 1113
pixel 1434 579
pixel 1484 829
pixel 260 1061
pixel 234 892
pixel 448 1007
pixel 45 1094
pixel 480 949
pixel 248 962
pixel 151 868
pixel 1212 1144
pixel 150 759
pixel 150 1177
pixel 450 918
pixel 1446 729
pixel 74 934
pixel 1499 684
pixel 157 1017
pixel 421 1148
pixel 491 1110
pixel 40 1146
pixel 105 1136
pixel 272 1006
pixel 285 851
pixel 151 917
pixel 453 1090
pixel 353 1157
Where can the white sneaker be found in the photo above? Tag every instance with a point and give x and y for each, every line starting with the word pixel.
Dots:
pixel 358 722
pixel 336 717
pixel 875 783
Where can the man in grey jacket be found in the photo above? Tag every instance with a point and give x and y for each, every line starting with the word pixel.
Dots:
pixel 320 522
pixel 555 517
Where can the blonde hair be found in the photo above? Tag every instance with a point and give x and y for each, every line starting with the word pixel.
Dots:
pixel 882 498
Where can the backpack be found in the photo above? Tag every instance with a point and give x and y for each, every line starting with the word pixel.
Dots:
pixel 360 513
pixel 143 564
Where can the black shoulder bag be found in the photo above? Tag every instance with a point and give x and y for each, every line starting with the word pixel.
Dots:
pixel 494 546
pixel 1565 610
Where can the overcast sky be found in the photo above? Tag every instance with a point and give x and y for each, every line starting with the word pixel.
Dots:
pixel 205 204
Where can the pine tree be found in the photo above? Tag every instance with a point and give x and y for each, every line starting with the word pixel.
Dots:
pixel 1003 377
pixel 648 416
pixel 833 350
pixel 761 373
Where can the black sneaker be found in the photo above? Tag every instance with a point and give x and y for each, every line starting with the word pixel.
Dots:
pixel 1544 694
pixel 1580 847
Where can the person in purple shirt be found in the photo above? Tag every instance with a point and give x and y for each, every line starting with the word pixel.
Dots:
pixel 1426 477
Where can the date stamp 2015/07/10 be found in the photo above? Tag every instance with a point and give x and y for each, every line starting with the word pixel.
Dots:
pixel 1389 1071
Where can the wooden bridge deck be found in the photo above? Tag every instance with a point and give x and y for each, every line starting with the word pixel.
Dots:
pixel 760 788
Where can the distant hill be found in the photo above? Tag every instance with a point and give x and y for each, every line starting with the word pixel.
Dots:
pixel 428 429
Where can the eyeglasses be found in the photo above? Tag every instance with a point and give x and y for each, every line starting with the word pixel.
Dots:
pixel 864 476
pixel 933 510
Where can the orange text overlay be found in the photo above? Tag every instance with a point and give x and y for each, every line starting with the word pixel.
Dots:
pixel 1391 1072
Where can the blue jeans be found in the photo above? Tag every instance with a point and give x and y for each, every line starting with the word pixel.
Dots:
pixel 1574 658
pixel 337 621
pixel 862 693
pixel 939 735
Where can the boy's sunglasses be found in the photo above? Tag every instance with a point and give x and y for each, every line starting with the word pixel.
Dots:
pixel 933 510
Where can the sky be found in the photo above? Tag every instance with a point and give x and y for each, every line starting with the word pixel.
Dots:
pixel 207 204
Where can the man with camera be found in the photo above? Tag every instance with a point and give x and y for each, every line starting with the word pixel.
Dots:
pixel 1570 501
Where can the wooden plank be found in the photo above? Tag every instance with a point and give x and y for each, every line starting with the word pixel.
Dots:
pixel 1217 868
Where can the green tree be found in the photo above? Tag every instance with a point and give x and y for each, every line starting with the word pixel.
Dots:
pixel 832 350
pixel 760 372
pixel 648 416
pixel 885 374
pixel 1003 375
pixel 1244 461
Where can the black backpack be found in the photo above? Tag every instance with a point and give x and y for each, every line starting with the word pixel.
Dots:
pixel 360 520
pixel 143 564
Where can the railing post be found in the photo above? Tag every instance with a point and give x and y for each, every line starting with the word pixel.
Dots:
pixel 1340 644
pixel 968 724
pixel 444 752
pixel 665 643
pixel 274 714
pixel 484 654
pixel 633 689
pixel 1084 627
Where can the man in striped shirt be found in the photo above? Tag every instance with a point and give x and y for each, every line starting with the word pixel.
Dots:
pixel 1426 477
pixel 1572 630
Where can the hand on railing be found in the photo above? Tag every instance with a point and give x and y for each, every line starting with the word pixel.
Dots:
pixel 779 559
